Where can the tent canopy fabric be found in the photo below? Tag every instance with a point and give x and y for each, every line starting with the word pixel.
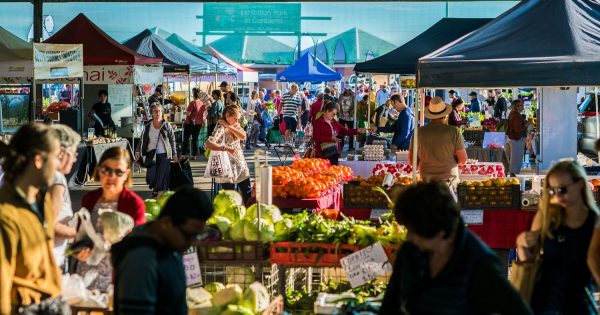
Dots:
pixel 12 48
pixel 536 43
pixel 350 47
pixel 98 47
pixel 403 60
pixel 175 60
pixel 308 69
pixel 190 48
pixel 254 49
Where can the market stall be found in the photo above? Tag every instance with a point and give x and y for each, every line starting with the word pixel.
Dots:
pixel 16 73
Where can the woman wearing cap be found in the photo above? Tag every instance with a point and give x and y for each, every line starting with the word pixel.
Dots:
pixel 440 147
pixel 454 119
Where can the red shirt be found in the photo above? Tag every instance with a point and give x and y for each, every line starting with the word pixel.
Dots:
pixel 128 203
pixel 196 109
pixel 324 131
pixel 315 108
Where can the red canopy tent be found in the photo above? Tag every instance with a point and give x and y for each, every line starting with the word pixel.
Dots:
pixel 98 47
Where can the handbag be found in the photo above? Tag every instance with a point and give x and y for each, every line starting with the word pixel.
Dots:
pixel 180 174
pixel 525 274
pixel 219 165
pixel 329 149
pixel 149 159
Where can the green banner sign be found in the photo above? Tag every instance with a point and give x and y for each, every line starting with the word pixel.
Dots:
pixel 251 17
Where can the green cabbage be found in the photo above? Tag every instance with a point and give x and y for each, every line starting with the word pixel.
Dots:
pixel 230 295
pixel 214 287
pixel 268 212
pixel 236 310
pixel 236 231
pixel 283 230
pixel 213 310
pixel 255 298
pixel 239 276
pixel 267 230
pixel 198 298
pixel 152 207
pixel 225 202
pixel 221 222
pixel 115 225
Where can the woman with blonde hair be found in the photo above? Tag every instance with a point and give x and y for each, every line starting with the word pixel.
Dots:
pixel 561 233
pixel 114 175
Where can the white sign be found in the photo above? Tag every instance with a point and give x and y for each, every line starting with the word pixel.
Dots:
pixel 191 266
pixel 377 213
pixel 55 61
pixel 366 264
pixel 473 217
pixel 120 98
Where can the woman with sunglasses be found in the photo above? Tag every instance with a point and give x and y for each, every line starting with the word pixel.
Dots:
pixel 59 191
pixel 563 227
pixel 114 174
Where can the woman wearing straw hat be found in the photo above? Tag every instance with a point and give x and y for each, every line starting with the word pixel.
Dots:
pixel 440 147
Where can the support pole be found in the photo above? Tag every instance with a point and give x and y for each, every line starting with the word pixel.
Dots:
pixel 597 118
pixel 38 20
pixel 415 144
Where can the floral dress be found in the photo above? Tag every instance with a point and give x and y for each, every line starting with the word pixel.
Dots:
pixel 238 163
pixel 101 273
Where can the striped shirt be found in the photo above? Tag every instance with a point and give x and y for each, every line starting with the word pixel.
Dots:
pixel 291 104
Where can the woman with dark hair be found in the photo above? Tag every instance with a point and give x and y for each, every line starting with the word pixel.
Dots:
pixel 157 149
pixel 214 112
pixel 326 132
pixel 193 124
pixel 29 275
pixel 454 118
pixel 113 172
pixel 443 268
pixel 227 137
pixel 566 226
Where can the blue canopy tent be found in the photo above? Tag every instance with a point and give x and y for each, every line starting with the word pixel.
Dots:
pixel 308 69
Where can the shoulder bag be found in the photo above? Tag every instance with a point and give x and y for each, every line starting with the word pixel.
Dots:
pixel 329 149
pixel 525 274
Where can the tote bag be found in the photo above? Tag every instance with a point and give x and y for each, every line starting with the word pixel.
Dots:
pixel 219 165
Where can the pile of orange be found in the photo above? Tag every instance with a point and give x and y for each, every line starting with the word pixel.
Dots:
pixel 308 178
pixel 595 183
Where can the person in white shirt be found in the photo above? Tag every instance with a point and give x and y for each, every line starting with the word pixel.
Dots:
pixel 382 95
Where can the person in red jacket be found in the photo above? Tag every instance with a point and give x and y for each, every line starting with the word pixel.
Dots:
pixel 326 131
pixel 113 172
pixel 315 108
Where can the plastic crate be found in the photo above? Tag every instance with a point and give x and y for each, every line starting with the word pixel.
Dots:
pixel 309 254
pixel 489 197
pixel 232 253
pixel 357 196
pixel 240 274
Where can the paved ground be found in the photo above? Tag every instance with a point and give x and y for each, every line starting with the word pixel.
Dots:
pixel 198 168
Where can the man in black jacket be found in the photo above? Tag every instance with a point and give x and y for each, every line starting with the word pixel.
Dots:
pixel 148 266
pixel 501 105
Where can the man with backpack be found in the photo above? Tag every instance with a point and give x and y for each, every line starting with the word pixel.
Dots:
pixel 148 265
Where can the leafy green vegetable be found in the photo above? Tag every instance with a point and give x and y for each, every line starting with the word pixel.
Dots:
pixel 268 212
pixel 251 229
pixel 225 203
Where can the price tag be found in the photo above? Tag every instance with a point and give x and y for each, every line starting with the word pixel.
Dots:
pixel 191 266
pixel 366 264
pixel 473 217
pixel 377 213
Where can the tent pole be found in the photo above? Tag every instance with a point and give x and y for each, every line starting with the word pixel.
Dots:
pixel 355 103
pixel 597 118
pixel 415 140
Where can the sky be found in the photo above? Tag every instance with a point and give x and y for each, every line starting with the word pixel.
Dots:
pixel 395 22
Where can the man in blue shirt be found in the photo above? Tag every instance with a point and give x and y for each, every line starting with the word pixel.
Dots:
pixel 403 127
pixel 475 107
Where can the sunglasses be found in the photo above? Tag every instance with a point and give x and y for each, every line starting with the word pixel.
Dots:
pixel 562 190
pixel 105 170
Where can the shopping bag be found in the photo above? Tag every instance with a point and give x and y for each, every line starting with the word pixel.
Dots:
pixel 218 165
pixel 524 276
pixel 181 174
pixel 86 231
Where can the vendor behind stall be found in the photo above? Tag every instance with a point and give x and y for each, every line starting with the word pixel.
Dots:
pixel 100 114
pixel 157 97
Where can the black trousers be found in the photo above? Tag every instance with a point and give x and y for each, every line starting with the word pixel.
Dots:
pixel 350 125
pixel 192 131
pixel 334 159
pixel 244 188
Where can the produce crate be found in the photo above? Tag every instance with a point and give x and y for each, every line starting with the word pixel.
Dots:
pixel 309 254
pixel 231 253
pixel 357 196
pixel 489 197
pixel 243 275
pixel 475 136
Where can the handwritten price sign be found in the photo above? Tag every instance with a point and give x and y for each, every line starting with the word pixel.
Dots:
pixel 366 264
pixel 191 266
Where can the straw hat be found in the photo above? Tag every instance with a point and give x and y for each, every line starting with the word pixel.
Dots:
pixel 437 109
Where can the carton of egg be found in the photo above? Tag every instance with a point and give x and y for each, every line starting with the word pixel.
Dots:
pixel 374 152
